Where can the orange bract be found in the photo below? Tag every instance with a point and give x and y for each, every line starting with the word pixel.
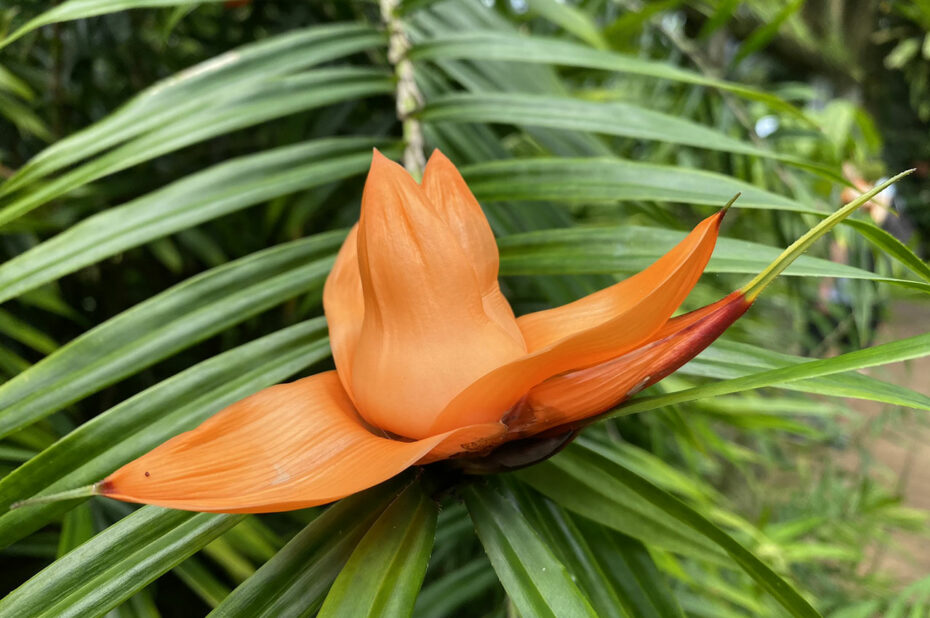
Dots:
pixel 430 361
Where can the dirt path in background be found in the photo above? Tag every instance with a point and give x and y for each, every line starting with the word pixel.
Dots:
pixel 905 450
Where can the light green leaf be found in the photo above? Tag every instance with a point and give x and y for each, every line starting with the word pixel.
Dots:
pixel 611 180
pixel 201 581
pixel 632 572
pixel 456 589
pixel 895 351
pixel 891 246
pixel 730 359
pixel 25 333
pixel 563 537
pixel 198 89
pixel 631 248
pixel 266 100
pixel 614 118
pixel 537 583
pixel 604 482
pixel 203 196
pixel 139 424
pixel 625 511
pixel 570 18
pixel 384 574
pixel 173 320
pixel 115 564
pixel 80 9
pixel 294 582
pixel 489 45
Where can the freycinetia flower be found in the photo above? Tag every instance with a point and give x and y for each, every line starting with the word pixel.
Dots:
pixel 432 364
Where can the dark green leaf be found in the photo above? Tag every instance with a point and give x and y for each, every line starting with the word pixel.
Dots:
pixel 385 572
pixel 536 581
pixel 294 582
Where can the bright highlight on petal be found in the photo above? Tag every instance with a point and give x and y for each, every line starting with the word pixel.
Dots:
pixel 287 447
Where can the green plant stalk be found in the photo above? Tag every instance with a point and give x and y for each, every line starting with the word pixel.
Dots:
pixel 755 287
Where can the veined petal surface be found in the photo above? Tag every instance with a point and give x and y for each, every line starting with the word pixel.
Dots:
pixel 455 204
pixel 287 447
pixel 425 334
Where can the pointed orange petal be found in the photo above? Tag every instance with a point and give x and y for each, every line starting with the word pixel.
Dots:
pixel 544 328
pixel 589 331
pixel 577 395
pixel 287 447
pixel 425 334
pixel 345 307
pixel 455 204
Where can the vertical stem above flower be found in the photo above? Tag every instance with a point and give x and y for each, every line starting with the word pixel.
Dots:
pixel 408 96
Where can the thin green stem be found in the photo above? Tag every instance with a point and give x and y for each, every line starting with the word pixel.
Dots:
pixel 752 289
pixel 72 494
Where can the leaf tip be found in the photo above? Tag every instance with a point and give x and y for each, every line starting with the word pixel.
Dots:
pixel 72 494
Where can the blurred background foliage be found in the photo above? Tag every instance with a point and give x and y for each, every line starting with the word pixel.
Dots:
pixel 810 86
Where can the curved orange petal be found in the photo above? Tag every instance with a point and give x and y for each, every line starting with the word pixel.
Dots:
pixel 455 204
pixel 344 306
pixel 596 328
pixel 577 395
pixel 544 328
pixel 287 447
pixel 425 335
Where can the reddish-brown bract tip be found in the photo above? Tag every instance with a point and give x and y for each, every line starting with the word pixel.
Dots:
pixel 575 398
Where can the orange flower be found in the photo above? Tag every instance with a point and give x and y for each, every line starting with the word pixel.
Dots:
pixel 431 363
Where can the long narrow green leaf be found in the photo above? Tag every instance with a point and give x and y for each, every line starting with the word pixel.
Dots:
pixel 891 246
pixel 893 352
pixel 632 572
pixel 626 511
pixel 140 423
pixel 631 248
pixel 214 192
pixel 456 589
pixel 562 536
pixel 118 562
pixel 294 582
pixel 537 583
pixel 201 87
pixel 729 359
pixel 267 100
pixel 385 572
pixel 201 581
pixel 615 118
pixel 586 180
pixel 478 45
pixel 171 321
pixel 81 9
pixel 604 481
pixel 571 19
pixel 25 333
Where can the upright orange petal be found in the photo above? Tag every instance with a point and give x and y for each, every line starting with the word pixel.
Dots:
pixel 345 307
pixel 425 334
pixel 287 447
pixel 589 331
pixel 578 395
pixel 455 204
